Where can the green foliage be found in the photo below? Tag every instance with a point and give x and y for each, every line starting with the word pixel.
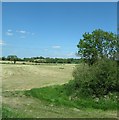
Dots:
pixel 97 44
pixel 99 79
pixel 12 58
pixel 3 58
pixel 8 112
pixel 57 95
pixel 52 94
pixel 42 60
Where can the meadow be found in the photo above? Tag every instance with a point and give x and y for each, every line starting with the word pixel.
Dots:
pixel 29 92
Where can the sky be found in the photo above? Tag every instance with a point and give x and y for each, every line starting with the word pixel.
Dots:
pixel 52 29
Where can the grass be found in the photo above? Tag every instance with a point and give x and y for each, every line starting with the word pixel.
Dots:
pixel 19 106
pixel 58 96
pixel 52 94
pixel 8 112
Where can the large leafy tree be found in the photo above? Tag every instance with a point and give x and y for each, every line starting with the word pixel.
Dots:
pixel 97 45
pixel 13 58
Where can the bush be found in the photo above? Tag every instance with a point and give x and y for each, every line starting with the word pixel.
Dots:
pixel 99 79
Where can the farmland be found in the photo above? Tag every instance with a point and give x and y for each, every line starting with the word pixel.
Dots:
pixel 20 77
pixel 17 77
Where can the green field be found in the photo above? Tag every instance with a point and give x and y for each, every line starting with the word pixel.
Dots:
pixel 25 77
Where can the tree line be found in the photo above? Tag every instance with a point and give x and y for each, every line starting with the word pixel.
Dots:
pixel 41 59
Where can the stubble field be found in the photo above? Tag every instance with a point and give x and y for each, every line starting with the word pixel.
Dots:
pixel 21 77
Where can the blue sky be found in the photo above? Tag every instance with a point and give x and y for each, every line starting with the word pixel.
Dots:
pixel 52 29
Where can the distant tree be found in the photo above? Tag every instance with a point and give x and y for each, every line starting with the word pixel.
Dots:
pixel 12 58
pixel 26 59
pixel 31 60
pixel 3 58
pixel 41 57
pixel 60 60
pixel 20 59
pixel 69 60
pixel 96 45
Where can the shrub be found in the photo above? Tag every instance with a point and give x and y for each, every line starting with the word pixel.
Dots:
pixel 98 79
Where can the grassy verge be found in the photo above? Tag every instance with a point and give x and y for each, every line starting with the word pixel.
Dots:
pixel 8 112
pixel 53 102
pixel 58 95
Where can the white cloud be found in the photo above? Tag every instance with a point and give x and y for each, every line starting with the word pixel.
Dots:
pixel 21 31
pixel 56 47
pixel 9 33
pixel 25 32
pixel 2 42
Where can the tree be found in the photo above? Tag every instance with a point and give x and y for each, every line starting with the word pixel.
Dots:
pixel 12 58
pixel 3 58
pixel 96 45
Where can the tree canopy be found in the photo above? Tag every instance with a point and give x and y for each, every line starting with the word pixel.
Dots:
pixel 12 58
pixel 96 45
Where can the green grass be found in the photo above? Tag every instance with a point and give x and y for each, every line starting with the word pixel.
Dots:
pixel 58 96
pixel 52 94
pixel 16 105
pixel 8 112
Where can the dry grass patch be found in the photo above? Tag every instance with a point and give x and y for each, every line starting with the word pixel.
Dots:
pixel 32 76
